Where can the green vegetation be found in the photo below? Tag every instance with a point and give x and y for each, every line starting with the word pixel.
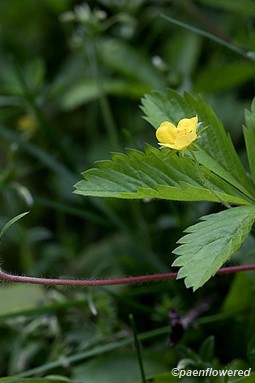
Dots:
pixel 82 89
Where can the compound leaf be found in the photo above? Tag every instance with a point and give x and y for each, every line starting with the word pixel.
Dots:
pixel 211 242
pixel 156 174
pixel 216 150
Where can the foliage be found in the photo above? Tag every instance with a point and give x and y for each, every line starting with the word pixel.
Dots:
pixel 71 79
pixel 210 243
pixel 161 175
pixel 154 174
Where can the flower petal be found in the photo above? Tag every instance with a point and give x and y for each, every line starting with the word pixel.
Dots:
pixel 183 141
pixel 180 137
pixel 189 124
pixel 170 146
pixel 166 133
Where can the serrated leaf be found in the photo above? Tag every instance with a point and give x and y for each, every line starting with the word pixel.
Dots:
pixel 155 174
pixel 216 150
pixel 249 135
pixel 210 243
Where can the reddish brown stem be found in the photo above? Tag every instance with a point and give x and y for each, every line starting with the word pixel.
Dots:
pixel 108 282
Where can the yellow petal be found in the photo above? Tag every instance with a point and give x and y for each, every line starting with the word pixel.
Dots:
pixel 188 124
pixel 170 146
pixel 183 141
pixel 166 133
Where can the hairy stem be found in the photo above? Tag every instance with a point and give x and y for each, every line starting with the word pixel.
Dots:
pixel 6 277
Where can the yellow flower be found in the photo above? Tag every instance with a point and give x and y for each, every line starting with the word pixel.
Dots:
pixel 180 137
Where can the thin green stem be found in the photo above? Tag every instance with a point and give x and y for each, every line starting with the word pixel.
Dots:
pixel 138 348
pixel 94 351
pixel 203 19
pixel 201 32
pixel 103 101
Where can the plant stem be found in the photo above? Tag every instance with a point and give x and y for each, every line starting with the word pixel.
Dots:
pixel 6 277
pixel 103 101
pixel 138 348
pixel 201 32
pixel 203 19
pixel 70 359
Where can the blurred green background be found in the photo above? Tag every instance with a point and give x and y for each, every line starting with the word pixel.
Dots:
pixel 71 78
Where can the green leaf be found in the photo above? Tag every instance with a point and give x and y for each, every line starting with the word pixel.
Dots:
pixel 210 243
pixel 240 294
pixel 11 222
pixel 251 351
pixel 159 107
pixel 155 174
pixel 114 366
pixel 20 297
pixel 34 150
pixel 247 379
pixel 83 91
pixel 130 62
pixel 207 349
pixel 98 350
pixel 249 135
pixel 182 52
pixel 216 150
pixel 224 76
